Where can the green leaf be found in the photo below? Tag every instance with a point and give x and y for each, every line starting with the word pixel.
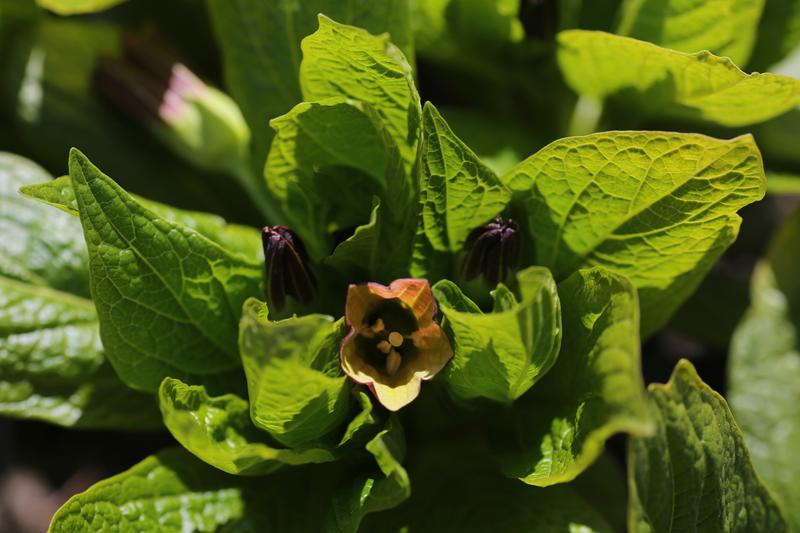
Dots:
pixel 659 81
pixel 219 431
pixel 723 27
pixel 171 491
pixel 345 61
pixel 593 391
pixel 659 208
pixel 452 30
pixel 778 33
pixel 457 194
pixel 327 161
pixel 297 391
pixel 429 22
pixel 588 14
pixel 764 370
pixel 38 245
pixel 460 492
pixel 487 504
pixel 373 493
pixel 485 25
pixel 260 44
pixel 243 240
pixel 52 366
pixel 461 193
pixel 174 492
pixel 167 298
pixel 77 7
pixel 500 355
pixel 361 251
pixel 695 473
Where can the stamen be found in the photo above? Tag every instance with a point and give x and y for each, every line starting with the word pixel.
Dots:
pixel 393 361
pixel 396 339
pixel 384 346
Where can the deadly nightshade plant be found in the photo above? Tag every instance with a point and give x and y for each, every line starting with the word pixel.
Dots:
pixel 293 413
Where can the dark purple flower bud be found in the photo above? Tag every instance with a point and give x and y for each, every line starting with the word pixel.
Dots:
pixel 492 250
pixel 286 263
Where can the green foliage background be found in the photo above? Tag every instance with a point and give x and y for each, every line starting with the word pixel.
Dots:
pixel 631 140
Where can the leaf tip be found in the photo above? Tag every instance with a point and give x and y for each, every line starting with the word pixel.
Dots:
pixel 325 20
pixel 78 163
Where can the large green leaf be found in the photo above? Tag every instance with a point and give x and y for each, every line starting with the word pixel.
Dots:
pixel 167 298
pixel 778 33
pixel 77 7
pixel 659 208
pixel 593 391
pixel 235 238
pixel 346 61
pixel 219 431
pixel 171 491
pixel 52 366
pixel 764 370
pixel 373 493
pixel 461 193
pixel 327 161
pixel 296 388
pixel 455 490
pixel 260 44
pixel 174 492
pixel 457 194
pixel 723 27
pixel 500 355
pixel 361 251
pixel 39 245
pixel 458 30
pixel 659 81
pixel 488 504
pixel 695 473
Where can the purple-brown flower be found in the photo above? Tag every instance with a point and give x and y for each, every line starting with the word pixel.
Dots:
pixel 492 250
pixel 394 343
pixel 286 263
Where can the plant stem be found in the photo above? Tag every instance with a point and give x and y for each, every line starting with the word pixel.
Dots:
pixel 586 116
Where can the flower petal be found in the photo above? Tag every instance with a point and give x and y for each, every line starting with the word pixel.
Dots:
pixel 395 398
pixel 417 294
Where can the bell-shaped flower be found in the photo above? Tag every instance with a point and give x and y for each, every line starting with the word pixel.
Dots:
pixel 394 342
